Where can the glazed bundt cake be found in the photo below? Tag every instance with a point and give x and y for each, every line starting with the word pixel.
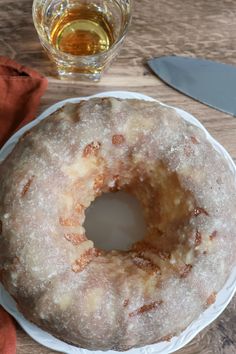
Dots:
pixel 100 299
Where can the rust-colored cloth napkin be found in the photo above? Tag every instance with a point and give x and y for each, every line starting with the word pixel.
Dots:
pixel 20 92
pixel 7 333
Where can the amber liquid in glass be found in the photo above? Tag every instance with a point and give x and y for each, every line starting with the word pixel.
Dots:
pixel 83 30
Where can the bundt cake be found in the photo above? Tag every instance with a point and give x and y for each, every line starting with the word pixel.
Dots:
pixel 99 299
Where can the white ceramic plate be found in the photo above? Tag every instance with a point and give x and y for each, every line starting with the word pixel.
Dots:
pixel 209 315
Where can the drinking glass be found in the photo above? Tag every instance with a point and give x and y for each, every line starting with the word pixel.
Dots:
pixel 81 37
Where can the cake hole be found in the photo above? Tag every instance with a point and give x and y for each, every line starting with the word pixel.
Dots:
pixel 115 221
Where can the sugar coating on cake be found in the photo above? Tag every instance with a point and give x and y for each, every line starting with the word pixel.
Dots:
pixel 100 299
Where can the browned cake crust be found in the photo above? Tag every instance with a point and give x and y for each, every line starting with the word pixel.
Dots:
pixel 115 300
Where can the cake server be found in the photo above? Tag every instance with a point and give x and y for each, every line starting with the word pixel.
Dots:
pixel 209 82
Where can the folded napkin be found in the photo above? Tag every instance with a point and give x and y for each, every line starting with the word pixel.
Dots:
pixel 20 92
pixel 7 333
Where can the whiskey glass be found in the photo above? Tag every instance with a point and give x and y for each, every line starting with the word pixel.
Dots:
pixel 81 37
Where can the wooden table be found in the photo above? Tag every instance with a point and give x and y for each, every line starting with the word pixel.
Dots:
pixel 203 28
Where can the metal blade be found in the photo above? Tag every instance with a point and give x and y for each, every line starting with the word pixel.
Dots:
pixel 209 82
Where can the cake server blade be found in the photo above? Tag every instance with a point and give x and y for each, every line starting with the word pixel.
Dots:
pixel 209 82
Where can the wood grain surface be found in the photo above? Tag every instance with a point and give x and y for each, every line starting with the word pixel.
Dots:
pixel 203 28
